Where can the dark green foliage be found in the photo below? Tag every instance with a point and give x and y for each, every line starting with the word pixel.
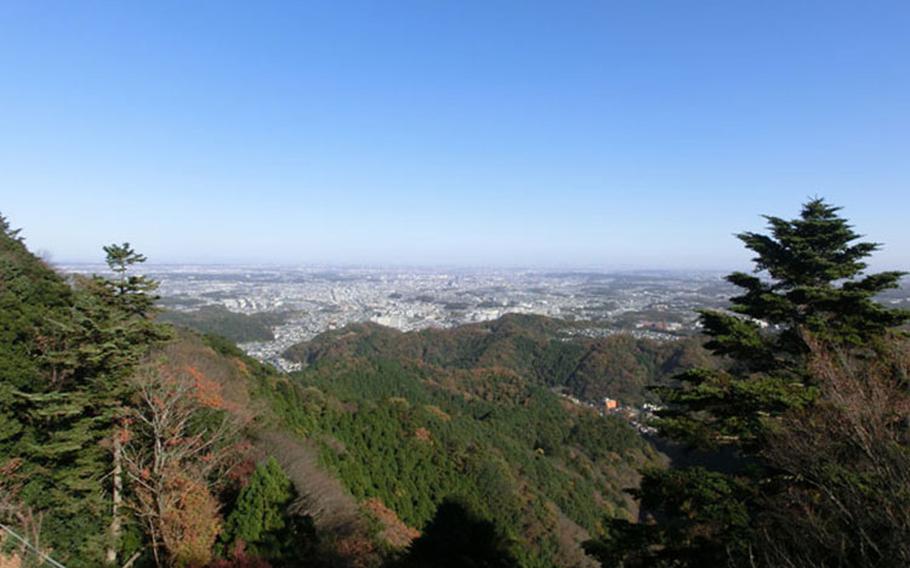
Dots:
pixel 817 286
pixel 41 424
pixel 218 320
pixel 134 295
pixel 481 395
pixel 618 366
pixel 412 436
pixel 64 354
pixel 225 346
pixel 260 507
pixel 816 294
pixel 701 516
pixel 816 290
pixel 32 297
pixel 457 538
pixel 261 518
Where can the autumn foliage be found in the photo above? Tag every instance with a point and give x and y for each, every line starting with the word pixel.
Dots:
pixel 849 459
pixel 181 448
pixel 190 525
pixel 393 531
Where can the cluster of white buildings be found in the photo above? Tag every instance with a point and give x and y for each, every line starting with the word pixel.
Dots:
pixel 315 299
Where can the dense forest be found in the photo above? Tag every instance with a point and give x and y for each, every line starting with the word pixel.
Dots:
pixel 128 441
pixel 543 350
pixel 412 436
pixel 218 320
pixel 812 412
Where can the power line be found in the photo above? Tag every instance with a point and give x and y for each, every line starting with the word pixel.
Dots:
pixel 28 545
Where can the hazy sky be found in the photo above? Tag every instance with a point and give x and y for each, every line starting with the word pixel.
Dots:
pixel 602 134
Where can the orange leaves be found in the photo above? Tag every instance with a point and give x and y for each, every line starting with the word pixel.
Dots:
pixel 9 468
pixel 395 532
pixel 174 464
pixel 423 434
pixel 207 391
pixel 438 412
pixel 356 550
pixel 241 366
pixel 191 524
pixel 123 433
pixel 241 473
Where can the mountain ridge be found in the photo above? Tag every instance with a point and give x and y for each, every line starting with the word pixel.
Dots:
pixel 618 366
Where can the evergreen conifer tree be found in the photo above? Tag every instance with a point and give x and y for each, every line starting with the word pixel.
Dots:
pixel 814 290
pixel 262 519
pixel 65 356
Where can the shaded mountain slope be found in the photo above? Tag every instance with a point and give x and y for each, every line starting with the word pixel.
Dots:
pixel 375 434
pixel 411 433
pixel 257 395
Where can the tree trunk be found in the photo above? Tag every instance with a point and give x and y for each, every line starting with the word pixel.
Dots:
pixel 116 497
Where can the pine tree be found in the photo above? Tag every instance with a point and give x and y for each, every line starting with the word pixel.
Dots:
pixel 40 421
pixel 133 294
pixel 261 504
pixel 65 364
pixel 814 290
pixel 262 522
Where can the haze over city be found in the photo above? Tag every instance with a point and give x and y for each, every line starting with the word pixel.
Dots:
pixel 454 284
pixel 582 134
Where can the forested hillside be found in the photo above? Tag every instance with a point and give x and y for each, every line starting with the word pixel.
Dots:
pixel 411 418
pixel 218 320
pixel 126 441
pixel 540 349
pixel 410 436
pixel 813 409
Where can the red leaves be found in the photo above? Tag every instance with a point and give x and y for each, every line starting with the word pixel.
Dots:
pixel 10 467
pixel 177 466
pixel 191 524
pixel 123 434
pixel 240 559
pixel 241 473
pixel 423 434
pixel 395 532
pixel 207 391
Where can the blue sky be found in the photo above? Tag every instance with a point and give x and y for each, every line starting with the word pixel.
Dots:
pixel 593 134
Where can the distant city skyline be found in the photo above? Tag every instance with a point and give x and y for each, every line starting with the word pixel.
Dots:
pixel 601 135
pixel 299 304
pixel 153 267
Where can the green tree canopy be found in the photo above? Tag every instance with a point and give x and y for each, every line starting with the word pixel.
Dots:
pixel 815 287
pixel 809 286
pixel 261 505
pixel 263 521
pixel 65 354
